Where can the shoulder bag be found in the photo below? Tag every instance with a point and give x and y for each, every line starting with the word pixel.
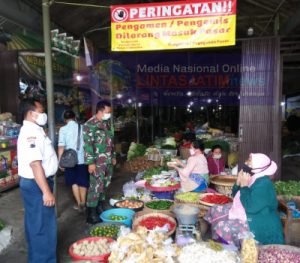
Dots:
pixel 69 157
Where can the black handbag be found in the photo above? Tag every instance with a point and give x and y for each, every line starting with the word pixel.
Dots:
pixel 69 157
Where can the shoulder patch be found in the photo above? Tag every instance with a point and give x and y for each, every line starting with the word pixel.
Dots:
pixel 31 141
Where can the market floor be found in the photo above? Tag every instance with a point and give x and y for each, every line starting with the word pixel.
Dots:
pixel 71 224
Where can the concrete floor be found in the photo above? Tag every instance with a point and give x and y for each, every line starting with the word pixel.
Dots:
pixel 71 224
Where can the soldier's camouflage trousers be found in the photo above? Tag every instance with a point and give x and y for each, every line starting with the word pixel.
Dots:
pixel 98 183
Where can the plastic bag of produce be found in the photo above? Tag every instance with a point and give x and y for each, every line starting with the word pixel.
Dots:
pixel 5 237
pixel 129 189
pixel 139 176
pixel 249 249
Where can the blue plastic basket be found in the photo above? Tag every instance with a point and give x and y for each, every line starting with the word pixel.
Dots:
pixel 164 195
pixel 120 212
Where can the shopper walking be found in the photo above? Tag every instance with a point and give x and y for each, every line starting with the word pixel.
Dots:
pixel 100 157
pixel 37 165
pixel 70 137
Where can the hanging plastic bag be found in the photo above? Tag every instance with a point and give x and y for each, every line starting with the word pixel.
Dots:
pixel 129 190
pixel 139 176
pixel 249 249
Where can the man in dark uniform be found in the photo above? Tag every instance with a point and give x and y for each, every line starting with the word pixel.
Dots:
pixel 100 157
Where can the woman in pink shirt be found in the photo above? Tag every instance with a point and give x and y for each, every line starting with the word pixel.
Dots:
pixel 194 174
pixel 215 161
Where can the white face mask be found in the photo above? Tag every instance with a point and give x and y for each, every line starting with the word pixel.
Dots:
pixel 192 152
pixel 217 156
pixel 106 116
pixel 41 118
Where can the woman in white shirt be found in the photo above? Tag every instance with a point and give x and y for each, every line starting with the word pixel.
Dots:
pixel 78 176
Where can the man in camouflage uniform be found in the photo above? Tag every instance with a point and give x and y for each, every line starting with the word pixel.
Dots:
pixel 99 156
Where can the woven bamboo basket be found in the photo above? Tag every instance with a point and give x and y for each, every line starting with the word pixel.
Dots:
pixel 224 183
pixel 181 202
pixel 196 203
pixel 286 198
pixel 184 153
pixel 291 224
pixel 138 217
pixel 166 211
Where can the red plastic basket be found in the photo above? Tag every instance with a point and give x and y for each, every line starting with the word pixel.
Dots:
pixel 101 258
pixel 162 189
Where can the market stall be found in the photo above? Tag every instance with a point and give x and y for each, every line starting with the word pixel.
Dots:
pixel 9 131
pixel 153 221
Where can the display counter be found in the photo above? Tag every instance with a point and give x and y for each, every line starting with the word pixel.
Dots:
pixel 8 168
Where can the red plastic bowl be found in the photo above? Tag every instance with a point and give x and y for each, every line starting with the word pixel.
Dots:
pixel 162 189
pixel 101 258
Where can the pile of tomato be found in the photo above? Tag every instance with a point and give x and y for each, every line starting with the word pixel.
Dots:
pixel 216 199
pixel 154 221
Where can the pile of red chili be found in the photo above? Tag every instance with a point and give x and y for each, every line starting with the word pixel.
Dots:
pixel 216 199
pixel 154 221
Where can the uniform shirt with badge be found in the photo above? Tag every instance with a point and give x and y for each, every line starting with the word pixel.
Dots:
pixel 34 145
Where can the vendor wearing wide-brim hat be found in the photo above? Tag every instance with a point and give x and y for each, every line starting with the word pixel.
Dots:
pixel 254 207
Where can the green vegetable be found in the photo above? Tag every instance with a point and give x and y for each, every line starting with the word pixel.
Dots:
pixel 152 171
pixel 215 245
pixel 2 225
pixel 188 197
pixel 288 188
pixel 116 217
pixel 159 204
pixel 136 150
pixel 169 147
pixel 117 197
pixel 169 141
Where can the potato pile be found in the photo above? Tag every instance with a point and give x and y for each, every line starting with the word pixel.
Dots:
pixel 139 164
pixel 131 204
pixel 143 247
pixel 92 248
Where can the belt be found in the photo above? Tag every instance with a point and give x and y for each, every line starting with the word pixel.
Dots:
pixel 49 177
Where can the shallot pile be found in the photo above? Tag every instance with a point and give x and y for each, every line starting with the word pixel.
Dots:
pixel 274 254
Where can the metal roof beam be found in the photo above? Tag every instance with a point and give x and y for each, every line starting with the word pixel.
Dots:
pixel 260 5
pixel 291 23
pixel 21 14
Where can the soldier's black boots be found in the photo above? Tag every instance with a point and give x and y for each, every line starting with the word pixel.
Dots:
pixel 99 207
pixel 92 216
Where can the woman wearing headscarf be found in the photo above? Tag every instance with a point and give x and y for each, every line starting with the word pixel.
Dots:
pixel 254 207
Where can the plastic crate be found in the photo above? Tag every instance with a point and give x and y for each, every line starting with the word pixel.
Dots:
pixel 164 195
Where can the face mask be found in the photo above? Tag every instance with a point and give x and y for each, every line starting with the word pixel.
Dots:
pixel 41 119
pixel 192 152
pixel 217 156
pixel 106 116
pixel 247 169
